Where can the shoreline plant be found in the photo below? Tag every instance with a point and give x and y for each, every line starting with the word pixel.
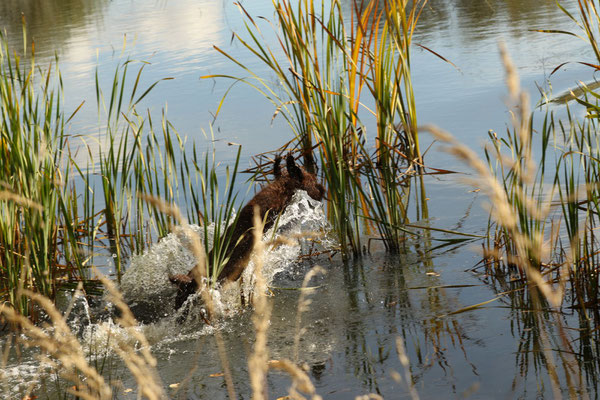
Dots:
pixel 60 216
pixel 324 65
pixel 553 196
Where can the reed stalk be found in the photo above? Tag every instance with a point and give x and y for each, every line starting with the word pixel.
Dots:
pixel 33 205
pixel 323 65
pixel 218 214
pixel 521 208
pixel 59 214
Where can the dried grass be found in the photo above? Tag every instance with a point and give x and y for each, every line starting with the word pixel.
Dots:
pixel 529 246
pixel 60 349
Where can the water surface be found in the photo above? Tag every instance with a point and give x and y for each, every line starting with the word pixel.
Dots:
pixel 361 306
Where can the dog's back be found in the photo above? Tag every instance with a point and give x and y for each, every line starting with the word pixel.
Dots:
pixel 270 202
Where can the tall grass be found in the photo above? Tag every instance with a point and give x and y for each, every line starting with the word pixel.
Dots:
pixel 553 195
pixel 38 244
pixel 521 202
pixel 543 187
pixel 524 182
pixel 58 214
pixel 218 214
pixel 324 65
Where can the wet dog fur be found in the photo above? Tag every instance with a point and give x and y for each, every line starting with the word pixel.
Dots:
pixel 270 202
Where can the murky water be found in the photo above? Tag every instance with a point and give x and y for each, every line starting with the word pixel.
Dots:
pixel 361 306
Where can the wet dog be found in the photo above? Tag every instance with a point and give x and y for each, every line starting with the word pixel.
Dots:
pixel 270 202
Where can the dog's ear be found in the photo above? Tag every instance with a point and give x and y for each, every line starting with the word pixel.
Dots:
pixel 277 167
pixel 293 170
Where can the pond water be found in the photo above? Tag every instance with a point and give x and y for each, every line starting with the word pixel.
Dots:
pixel 361 306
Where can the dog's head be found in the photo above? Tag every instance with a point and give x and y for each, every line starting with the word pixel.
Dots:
pixel 299 178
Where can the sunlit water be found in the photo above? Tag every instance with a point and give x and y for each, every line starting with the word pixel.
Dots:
pixel 362 306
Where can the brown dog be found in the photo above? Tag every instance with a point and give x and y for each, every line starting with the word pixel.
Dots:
pixel 270 202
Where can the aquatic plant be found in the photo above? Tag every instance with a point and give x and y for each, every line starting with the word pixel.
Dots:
pixel 525 248
pixel 322 66
pixel 532 237
pixel 58 212
pixel 38 233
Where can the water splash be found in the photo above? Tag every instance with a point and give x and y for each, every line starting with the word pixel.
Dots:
pixel 148 274
pixel 148 291
pixel 150 294
pixel 303 216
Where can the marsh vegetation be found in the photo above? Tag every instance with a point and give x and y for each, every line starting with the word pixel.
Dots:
pixel 135 198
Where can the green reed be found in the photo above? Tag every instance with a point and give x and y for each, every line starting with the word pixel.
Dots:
pixel 383 37
pixel 580 201
pixel 216 213
pixel 323 66
pixel 59 214
pixel 523 179
pixel 137 163
pixel 527 255
pixel 32 147
pixel 556 209
pixel 588 24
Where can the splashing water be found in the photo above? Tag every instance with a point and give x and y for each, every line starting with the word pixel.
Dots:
pixel 146 286
pixel 147 289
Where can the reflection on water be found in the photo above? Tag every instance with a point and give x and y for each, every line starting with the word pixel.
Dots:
pixel 472 21
pixel 555 348
pixel 50 24
pixel 502 349
pixel 349 333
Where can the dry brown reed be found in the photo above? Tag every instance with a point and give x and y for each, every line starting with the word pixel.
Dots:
pixel 529 247
pixel 501 212
pixel 64 353
pixel 403 357
pixel 25 202
pixel 370 396
pixel 61 350
pixel 258 361
pixel 137 355
pixel 300 380
pixel 303 305
pixel 200 255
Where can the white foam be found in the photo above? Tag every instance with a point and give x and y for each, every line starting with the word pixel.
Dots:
pixel 146 280
pixel 148 274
